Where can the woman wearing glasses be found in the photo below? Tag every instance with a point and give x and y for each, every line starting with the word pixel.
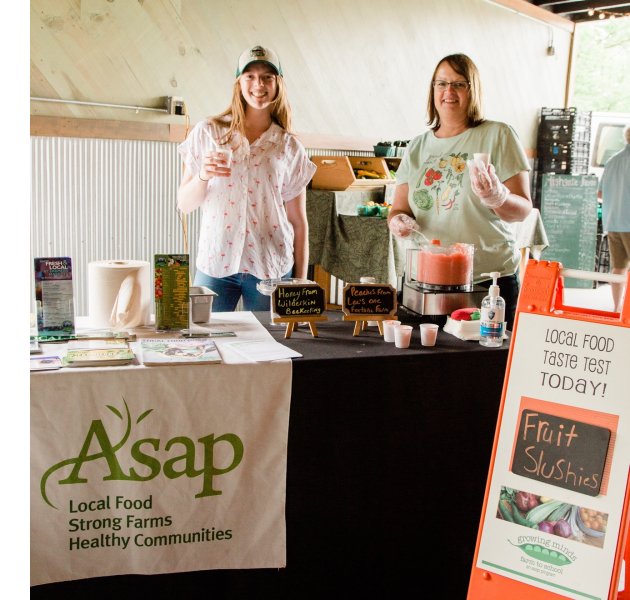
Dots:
pixel 453 200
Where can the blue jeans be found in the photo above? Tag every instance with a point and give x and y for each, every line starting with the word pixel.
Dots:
pixel 230 289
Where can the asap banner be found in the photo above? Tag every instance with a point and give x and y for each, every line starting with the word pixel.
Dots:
pixel 158 470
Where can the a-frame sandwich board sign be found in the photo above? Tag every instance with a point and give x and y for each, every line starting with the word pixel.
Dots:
pixel 555 515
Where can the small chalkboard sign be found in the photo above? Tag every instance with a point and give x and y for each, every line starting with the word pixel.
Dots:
pixel 560 451
pixel 303 300
pixel 364 302
pixel 293 303
pixel 367 300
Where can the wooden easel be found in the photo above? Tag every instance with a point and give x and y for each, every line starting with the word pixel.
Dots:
pixel 293 321
pixel 361 323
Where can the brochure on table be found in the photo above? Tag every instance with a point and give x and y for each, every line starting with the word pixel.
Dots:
pixel 564 437
pixel 242 323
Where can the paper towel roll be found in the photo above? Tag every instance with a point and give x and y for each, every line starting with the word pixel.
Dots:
pixel 119 293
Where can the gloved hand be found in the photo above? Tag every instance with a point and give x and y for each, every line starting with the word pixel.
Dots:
pixel 486 185
pixel 402 225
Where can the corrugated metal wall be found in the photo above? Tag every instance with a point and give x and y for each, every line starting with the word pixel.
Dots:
pixel 99 199
pixel 95 199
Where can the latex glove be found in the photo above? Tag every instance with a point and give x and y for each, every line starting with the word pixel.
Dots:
pixel 486 185
pixel 402 225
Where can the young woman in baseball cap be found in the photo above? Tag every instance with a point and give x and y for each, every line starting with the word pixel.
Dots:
pixel 248 173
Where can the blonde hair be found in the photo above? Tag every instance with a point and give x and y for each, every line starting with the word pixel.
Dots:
pixel 234 116
pixel 465 67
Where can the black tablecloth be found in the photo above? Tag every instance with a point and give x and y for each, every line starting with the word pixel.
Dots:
pixel 388 457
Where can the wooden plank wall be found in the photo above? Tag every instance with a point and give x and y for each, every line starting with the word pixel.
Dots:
pixel 353 69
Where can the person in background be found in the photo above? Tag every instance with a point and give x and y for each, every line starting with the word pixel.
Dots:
pixel 454 199
pixel 253 223
pixel 614 190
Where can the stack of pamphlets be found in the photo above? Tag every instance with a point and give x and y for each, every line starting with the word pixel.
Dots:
pixel 98 353
pixel 45 363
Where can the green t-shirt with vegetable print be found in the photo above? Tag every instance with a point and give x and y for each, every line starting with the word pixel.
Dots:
pixel 443 202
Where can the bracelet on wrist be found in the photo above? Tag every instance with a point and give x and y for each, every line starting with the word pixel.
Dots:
pixel 202 179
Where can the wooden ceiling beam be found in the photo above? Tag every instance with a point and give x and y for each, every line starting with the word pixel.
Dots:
pixel 106 129
pixel 536 12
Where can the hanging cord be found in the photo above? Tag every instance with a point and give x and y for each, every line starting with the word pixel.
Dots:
pixel 184 223
pixel 182 217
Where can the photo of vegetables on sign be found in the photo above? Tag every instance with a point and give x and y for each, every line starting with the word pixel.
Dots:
pixel 551 516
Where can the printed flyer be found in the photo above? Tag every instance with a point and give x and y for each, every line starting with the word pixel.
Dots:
pixel 54 296
pixel 561 466
pixel 171 288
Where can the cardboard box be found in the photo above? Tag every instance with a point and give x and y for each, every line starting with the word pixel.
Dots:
pixel 337 173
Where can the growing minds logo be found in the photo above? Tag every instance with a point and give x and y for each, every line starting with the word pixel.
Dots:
pixel 543 555
pixel 150 456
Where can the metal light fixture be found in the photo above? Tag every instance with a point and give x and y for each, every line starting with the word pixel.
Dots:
pixel 551 50
pixel 104 104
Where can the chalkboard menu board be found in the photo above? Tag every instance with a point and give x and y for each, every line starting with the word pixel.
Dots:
pixel 569 213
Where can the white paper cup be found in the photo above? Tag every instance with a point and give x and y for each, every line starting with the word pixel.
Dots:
pixel 402 336
pixel 484 157
pixel 388 330
pixel 428 334
pixel 225 154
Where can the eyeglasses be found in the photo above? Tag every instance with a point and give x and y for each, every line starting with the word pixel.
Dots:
pixel 458 86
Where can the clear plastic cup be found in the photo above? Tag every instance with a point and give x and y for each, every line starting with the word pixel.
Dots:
pixel 225 154
pixel 484 157
pixel 402 336
pixel 389 326
pixel 428 334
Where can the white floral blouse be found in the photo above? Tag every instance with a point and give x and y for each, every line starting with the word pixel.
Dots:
pixel 244 226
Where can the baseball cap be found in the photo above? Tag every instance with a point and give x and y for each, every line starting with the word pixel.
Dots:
pixel 258 54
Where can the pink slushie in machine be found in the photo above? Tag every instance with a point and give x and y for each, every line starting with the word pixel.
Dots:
pixel 439 280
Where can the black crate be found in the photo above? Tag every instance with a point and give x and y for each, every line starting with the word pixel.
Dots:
pixel 558 113
pixel 564 125
pixel 553 151
pixel 565 116
pixel 563 133
pixel 579 168
pixel 564 167
pixel 557 150
pixel 561 166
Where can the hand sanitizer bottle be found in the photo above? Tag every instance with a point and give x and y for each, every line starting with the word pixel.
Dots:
pixel 492 322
